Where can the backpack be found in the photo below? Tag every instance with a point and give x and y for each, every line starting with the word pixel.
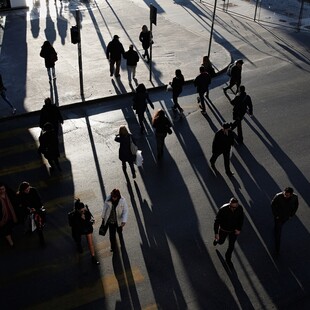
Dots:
pixel 230 68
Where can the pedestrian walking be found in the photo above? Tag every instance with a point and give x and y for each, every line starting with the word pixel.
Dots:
pixel 115 50
pixel 81 221
pixel 228 223
pixel 50 57
pixel 208 66
pixel 114 216
pixel 177 88
pixel 49 146
pixel 50 113
pixel 241 104
pixel 7 212
pixel 222 143
pixel 202 82
pixel 235 75
pixel 4 96
pixel 32 207
pixel 132 58
pixel 146 38
pixel 124 138
pixel 284 206
pixel 162 127
pixel 140 101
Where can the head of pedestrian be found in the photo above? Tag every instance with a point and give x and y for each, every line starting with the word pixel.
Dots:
pixel 144 28
pixel 116 37
pixel 123 131
pixel 115 194
pixel 131 47
pixel 226 126
pixel 48 101
pixel 178 73
pixel 48 127
pixel 288 192
pixel 242 89
pixel 202 69
pixel 141 88
pixel 79 206
pixel 233 203
pixel 239 62
pixel 24 188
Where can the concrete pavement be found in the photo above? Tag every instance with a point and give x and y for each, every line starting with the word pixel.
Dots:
pixel 181 39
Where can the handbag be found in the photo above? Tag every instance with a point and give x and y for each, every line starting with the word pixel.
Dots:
pixel 139 159
pixel 133 147
pixel 103 229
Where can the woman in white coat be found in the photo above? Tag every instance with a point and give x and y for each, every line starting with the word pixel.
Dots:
pixel 115 214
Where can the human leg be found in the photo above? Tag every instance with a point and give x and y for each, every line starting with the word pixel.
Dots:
pixel 232 237
pixel 213 159
pixel 112 233
pixel 132 168
pixel 117 67
pixel 239 132
pixel 141 120
pixel 226 156
pixel 129 72
pixel 222 236
pixel 112 62
pixel 160 141
pixel 202 101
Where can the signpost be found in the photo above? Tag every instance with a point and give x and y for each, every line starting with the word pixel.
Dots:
pixel 153 20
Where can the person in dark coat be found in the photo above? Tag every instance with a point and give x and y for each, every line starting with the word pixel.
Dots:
pixel 208 66
pixel 242 103
pixel 30 203
pixel 4 97
pixel 50 57
pixel 162 127
pixel 222 143
pixel 177 88
pixel 81 222
pixel 50 113
pixel 146 38
pixel 115 50
pixel 202 82
pixel 132 58
pixel 8 215
pixel 140 101
pixel 124 138
pixel 235 76
pixel 228 223
pixel 284 206
pixel 49 145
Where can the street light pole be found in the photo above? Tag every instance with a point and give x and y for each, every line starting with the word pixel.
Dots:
pixel 212 26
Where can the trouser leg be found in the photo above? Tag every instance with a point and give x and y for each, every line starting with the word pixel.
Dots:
pixel 117 67
pixel 226 156
pixel 112 232
pixel 232 237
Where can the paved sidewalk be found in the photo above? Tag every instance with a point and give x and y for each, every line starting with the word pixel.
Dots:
pixel 181 39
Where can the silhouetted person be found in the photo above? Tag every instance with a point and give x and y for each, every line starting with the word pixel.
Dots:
pixel 228 223
pixel 202 82
pixel 132 58
pixel 284 206
pixel 242 103
pixel 222 143
pixel 50 113
pixel 115 50
pixel 235 76
pixel 177 88
pixel 146 38
pixel 50 57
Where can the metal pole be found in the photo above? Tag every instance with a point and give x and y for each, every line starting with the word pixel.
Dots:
pixel 78 23
pixel 150 62
pixel 300 15
pixel 212 26
pixel 255 10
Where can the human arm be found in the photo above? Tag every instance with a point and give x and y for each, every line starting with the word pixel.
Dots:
pixel 149 101
pixel 249 106
pixel 124 214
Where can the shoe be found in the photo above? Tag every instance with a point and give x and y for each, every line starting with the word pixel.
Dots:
pixel 111 73
pixel 215 242
pixel 134 176
pixel 229 173
pixel 204 112
pixel 94 260
pixel 13 111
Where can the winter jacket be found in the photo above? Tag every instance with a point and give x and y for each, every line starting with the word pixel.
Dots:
pixel 228 220
pixel 284 208
pixel 50 113
pixel 132 57
pixel 125 153
pixel 241 103
pixel 121 211
pixel 49 54
pixel 177 85
pixel 202 82
pixel 222 142
pixel 115 50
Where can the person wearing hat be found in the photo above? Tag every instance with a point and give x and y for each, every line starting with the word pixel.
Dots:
pixel 235 76
pixel 222 143
pixel 115 50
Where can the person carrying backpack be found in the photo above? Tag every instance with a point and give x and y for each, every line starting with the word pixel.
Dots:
pixel 234 71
